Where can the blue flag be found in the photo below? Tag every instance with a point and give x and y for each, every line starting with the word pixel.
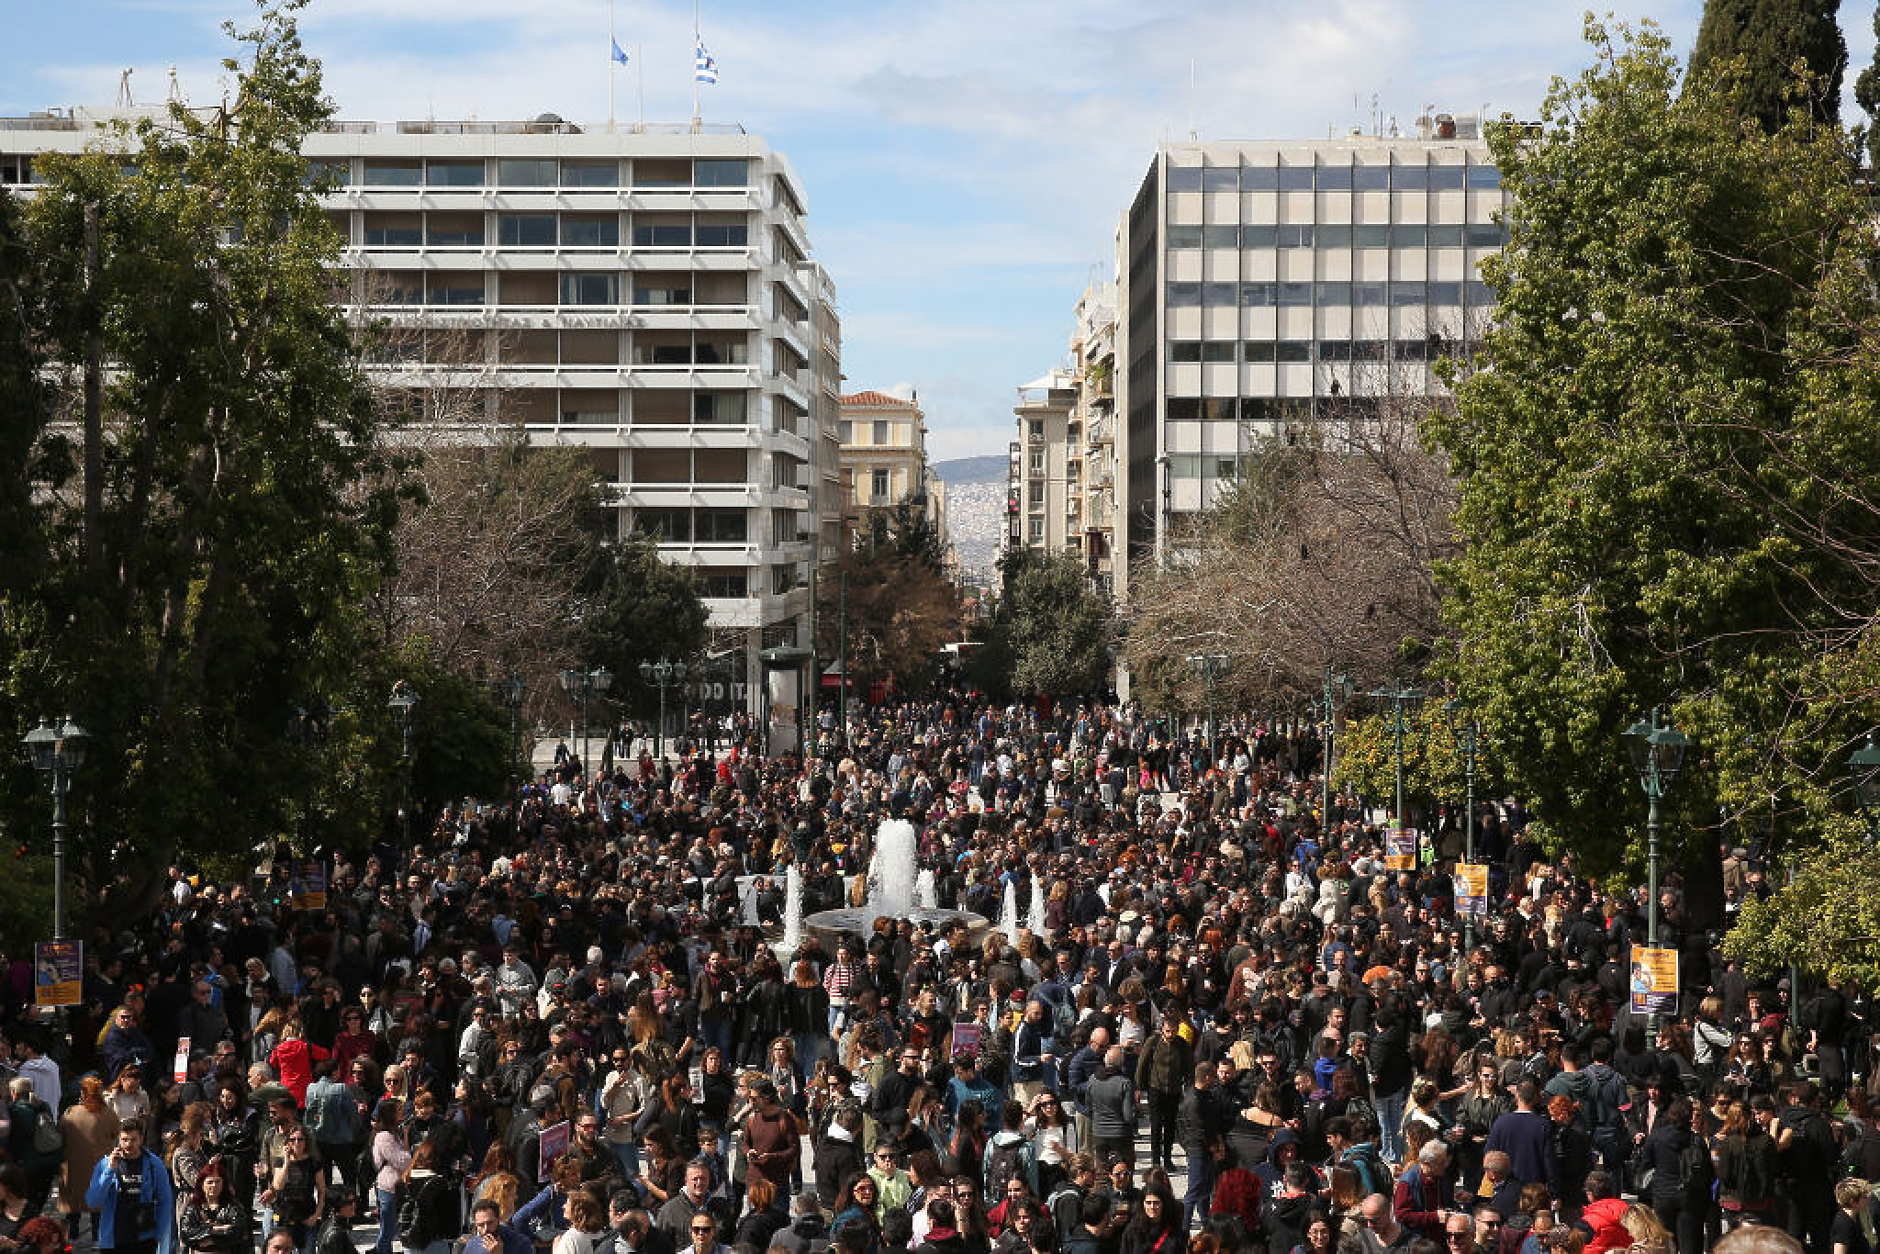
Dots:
pixel 618 54
pixel 704 68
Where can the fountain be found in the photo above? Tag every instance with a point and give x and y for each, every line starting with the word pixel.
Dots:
pixel 897 889
pixel 792 913
pixel 1008 913
pixel 1034 915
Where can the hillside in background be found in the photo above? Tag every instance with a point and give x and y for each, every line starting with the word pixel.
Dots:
pixel 975 510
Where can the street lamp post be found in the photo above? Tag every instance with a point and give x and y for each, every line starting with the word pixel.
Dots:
pixel 403 702
pixel 1210 667
pixel 1467 731
pixel 1337 692
pixel 510 690
pixel 306 729
pixel 582 684
pixel 1397 694
pixel 1657 752
pixel 663 674
pixel 57 750
pixel 1863 767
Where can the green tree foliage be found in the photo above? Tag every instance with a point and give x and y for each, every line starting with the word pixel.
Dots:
pixel 901 607
pixel 1668 474
pixel 1053 626
pixel 209 512
pixel 1826 921
pixel 1434 764
pixel 636 608
pixel 1867 95
pixel 1773 38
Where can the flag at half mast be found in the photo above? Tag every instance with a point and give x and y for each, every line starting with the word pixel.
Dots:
pixel 704 68
pixel 619 55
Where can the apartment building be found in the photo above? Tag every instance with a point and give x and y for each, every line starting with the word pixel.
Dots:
pixel 1263 286
pixel 648 295
pixel 884 457
pixel 1045 472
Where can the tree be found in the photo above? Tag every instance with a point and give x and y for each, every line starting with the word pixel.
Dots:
pixel 1054 626
pixel 1826 921
pixel 1773 38
pixel 636 608
pixel 1320 553
pixel 1666 498
pixel 901 607
pixel 210 511
pixel 1867 95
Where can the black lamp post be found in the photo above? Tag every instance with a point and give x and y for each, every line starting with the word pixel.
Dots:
pixel 1337 692
pixel 662 674
pixel 57 749
pixel 403 702
pixel 510 691
pixel 1863 767
pixel 1657 751
pixel 1466 731
pixel 1210 667
pixel 306 730
pixel 1397 694
pixel 582 684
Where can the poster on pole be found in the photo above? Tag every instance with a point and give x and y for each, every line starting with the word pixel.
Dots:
pixel 1472 889
pixel 179 1068
pixel 309 887
pixel 1400 848
pixel 554 1145
pixel 58 972
pixel 966 1039
pixel 1654 981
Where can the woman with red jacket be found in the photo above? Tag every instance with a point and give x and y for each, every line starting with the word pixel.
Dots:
pixel 293 1061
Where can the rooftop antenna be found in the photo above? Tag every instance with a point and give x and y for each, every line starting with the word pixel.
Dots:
pixel 176 88
pixel 1194 135
pixel 124 100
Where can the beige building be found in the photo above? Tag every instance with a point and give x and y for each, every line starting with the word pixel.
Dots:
pixel 884 458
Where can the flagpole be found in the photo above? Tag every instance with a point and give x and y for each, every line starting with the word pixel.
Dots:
pixel 612 66
pixel 695 42
pixel 639 51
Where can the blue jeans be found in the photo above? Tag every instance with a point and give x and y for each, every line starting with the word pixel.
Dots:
pixel 388 1220
pixel 716 1032
pixel 1201 1172
pixel 627 1155
pixel 1390 1119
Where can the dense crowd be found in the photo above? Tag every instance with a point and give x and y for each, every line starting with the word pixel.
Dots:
pixel 562 1022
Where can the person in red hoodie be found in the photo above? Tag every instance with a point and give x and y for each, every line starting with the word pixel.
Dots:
pixel 1603 1213
pixel 293 1061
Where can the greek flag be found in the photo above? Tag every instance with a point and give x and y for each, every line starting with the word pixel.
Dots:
pixel 704 69
pixel 618 54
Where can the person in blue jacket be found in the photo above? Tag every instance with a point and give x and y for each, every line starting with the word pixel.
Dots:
pixel 130 1189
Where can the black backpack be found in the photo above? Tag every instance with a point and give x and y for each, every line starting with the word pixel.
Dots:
pixel 1694 1167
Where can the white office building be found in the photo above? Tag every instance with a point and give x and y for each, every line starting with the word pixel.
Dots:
pixel 646 294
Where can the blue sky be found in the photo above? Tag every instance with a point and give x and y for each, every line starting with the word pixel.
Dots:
pixel 966 160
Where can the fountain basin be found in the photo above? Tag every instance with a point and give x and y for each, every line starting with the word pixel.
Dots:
pixel 830 926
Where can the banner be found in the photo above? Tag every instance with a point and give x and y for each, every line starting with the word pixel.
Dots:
pixel 1654 981
pixel 1472 888
pixel 554 1145
pixel 1400 848
pixel 58 973
pixel 179 1070
pixel 309 887
pixel 966 1039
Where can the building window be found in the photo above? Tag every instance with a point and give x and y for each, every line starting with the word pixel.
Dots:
pixel 1218 351
pixel 453 174
pixel 721 173
pixel 1184 236
pixel 878 484
pixel 881 436
pixel 1035 530
pixel 517 172
pixel 723 234
pixel 590 174
pixel 526 230
pixel 590 232
pixel 1184 351
pixel 848 431
pixel 1484 176
pixel 723 584
pixel 718 408
pixel 719 526
pixel 393 174
pixel 663 235
pixel 590 289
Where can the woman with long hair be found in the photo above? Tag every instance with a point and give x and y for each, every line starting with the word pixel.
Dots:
pixel 90 1128
pixel 806 1013
pixel 1746 1168
pixel 1053 1137
pixel 968 1147
pixel 213 1221
pixel 586 1220
pixel 433 1201
pixel 390 1159
pixel 665 1167
pixel 190 1149
pixel 1157 1226
pixel 1483 1103
pixel 859 1199
pixel 1320 1235
pixel 127 1097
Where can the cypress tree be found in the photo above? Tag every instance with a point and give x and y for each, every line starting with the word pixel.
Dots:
pixel 1772 36
pixel 1867 95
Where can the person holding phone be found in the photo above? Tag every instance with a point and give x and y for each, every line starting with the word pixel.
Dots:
pixel 130 1189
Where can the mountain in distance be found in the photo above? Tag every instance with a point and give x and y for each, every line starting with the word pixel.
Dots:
pixel 988 469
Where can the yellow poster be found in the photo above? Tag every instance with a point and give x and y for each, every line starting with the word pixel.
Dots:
pixel 1400 849
pixel 58 973
pixel 1472 888
pixel 1654 981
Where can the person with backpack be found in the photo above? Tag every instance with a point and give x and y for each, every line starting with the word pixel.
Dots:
pixel 427 1213
pixel 1681 1175
pixel 338 1127
pixel 1163 1071
pixel 1606 1106
pixel 34 1140
pixel 1009 1154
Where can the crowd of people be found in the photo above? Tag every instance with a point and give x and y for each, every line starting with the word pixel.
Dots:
pixel 563 1022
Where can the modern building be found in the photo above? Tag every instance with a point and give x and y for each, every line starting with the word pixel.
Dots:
pixel 1263 286
pixel 646 294
pixel 1045 473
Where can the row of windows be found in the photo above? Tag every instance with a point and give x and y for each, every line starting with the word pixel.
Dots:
pixel 1401 293
pixel 1332 177
pixel 586 288
pixel 1339 235
pixel 535 174
pixel 692 526
pixel 1266 352
pixel 547 230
